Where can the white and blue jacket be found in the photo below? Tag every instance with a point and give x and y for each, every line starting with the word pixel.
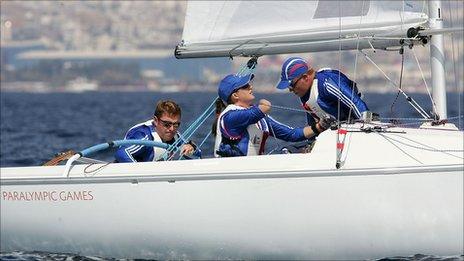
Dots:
pixel 140 153
pixel 329 87
pixel 243 132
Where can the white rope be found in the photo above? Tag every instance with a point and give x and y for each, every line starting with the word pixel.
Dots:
pixel 423 147
pixel 339 157
pixel 411 101
pixel 425 82
pixel 382 118
pixel 398 147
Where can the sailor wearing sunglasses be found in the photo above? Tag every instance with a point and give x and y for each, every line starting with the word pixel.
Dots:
pixel 162 128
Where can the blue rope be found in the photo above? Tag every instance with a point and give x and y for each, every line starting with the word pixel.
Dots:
pixel 190 131
pixel 204 140
pixel 249 68
pixel 201 144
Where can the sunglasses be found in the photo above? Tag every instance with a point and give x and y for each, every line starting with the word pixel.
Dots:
pixel 169 124
pixel 293 84
pixel 245 87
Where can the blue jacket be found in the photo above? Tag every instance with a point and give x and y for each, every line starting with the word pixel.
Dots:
pixel 234 125
pixel 140 153
pixel 334 86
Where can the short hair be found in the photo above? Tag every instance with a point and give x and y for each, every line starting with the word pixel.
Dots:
pixel 167 106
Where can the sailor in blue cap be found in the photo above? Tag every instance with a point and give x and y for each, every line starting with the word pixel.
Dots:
pixel 242 128
pixel 322 91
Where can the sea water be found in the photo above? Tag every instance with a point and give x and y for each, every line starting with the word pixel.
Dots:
pixel 36 126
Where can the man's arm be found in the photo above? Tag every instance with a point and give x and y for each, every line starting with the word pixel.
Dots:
pixel 130 153
pixel 285 132
pixel 348 96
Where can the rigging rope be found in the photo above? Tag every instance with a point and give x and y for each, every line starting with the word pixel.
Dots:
pixel 401 80
pixel 434 105
pixel 417 121
pixel 87 171
pixel 410 100
pixel 380 118
pixel 339 157
pixel 401 51
pixel 249 68
pixel 339 149
pixel 423 147
pixel 175 147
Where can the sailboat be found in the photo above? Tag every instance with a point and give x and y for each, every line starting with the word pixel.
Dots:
pixel 397 192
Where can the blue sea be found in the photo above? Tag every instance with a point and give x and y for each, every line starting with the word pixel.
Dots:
pixel 36 126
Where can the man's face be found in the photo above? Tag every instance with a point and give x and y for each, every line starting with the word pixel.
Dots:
pixel 166 126
pixel 300 85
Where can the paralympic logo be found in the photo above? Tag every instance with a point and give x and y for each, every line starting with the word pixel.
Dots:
pixel 54 195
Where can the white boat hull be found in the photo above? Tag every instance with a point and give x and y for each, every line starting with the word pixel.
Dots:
pixel 263 207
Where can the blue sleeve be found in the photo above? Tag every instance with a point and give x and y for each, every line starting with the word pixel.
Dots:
pixel 284 132
pixel 132 153
pixel 236 121
pixel 346 92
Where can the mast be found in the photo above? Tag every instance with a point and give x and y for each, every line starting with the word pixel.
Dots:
pixel 437 59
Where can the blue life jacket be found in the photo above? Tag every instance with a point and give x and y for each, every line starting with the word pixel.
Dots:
pixel 244 131
pixel 140 153
pixel 331 88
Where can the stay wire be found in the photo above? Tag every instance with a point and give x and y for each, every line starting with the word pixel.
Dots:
pixel 410 100
pixel 175 147
pixel 339 158
pixel 395 122
pixel 425 83
pixel 380 118
pixel 337 141
pixel 392 113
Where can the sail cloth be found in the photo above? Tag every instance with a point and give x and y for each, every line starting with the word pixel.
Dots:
pixel 231 28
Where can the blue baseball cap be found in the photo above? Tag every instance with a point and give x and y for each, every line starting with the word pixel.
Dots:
pixel 292 68
pixel 231 83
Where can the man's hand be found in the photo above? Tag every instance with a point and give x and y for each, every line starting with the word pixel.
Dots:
pixel 325 123
pixel 265 106
pixel 187 150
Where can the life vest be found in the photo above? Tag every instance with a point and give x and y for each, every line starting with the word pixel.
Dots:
pixel 157 152
pixel 323 104
pixel 257 135
pixel 312 106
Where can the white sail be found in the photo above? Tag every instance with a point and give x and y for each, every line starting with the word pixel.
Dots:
pixel 223 28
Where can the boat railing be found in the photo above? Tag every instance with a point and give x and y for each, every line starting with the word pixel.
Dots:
pixel 104 146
